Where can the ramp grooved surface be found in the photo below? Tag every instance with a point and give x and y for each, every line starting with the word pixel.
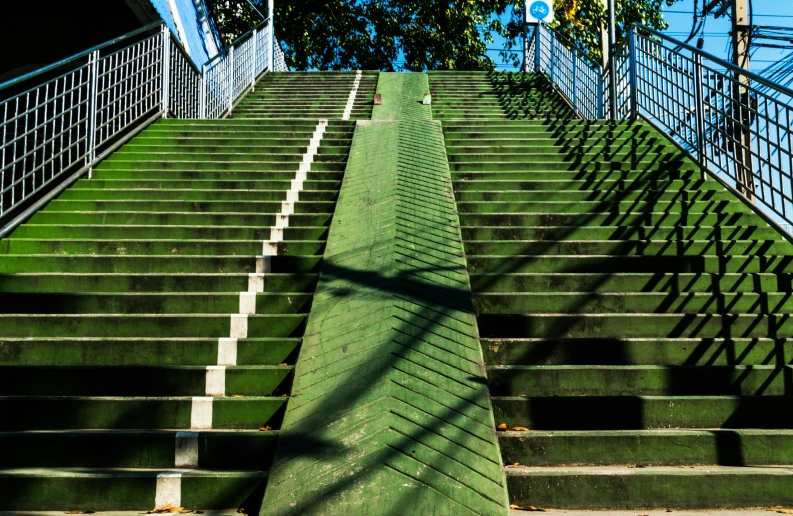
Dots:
pixel 390 412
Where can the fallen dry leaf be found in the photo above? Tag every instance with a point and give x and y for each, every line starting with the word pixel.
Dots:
pixel 236 395
pixel 520 429
pixel 502 427
pixel 529 508
pixel 265 429
pixel 283 365
pixel 167 509
pixel 781 511
pixel 514 465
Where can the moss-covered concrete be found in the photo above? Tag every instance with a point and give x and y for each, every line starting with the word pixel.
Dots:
pixel 390 413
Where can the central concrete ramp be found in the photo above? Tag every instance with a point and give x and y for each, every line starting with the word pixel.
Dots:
pixel 390 411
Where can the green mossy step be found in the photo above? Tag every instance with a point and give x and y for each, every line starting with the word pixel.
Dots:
pixel 648 325
pixel 160 303
pixel 140 381
pixel 692 487
pixel 147 325
pixel 53 282
pixel 118 264
pixel 133 413
pixel 591 283
pixel 550 264
pixel 141 351
pixel 643 380
pixel 63 489
pixel 643 412
pixel 622 232
pixel 648 448
pixel 672 351
pixel 149 449
pixel 587 302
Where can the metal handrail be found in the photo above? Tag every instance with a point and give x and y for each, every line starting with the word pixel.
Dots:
pixel 737 125
pixel 64 126
pixel 85 53
pixel 237 41
pixel 726 64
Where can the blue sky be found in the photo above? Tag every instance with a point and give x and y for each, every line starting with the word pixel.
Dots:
pixel 766 12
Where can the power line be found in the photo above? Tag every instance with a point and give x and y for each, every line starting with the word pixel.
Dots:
pixel 756 15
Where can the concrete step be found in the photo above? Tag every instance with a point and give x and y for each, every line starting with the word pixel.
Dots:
pixel 124 489
pixel 135 413
pixel 146 449
pixel 668 351
pixel 652 487
pixel 143 351
pixel 648 448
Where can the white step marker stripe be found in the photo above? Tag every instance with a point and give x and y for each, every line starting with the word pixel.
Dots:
pixel 239 326
pixel 248 303
pixel 168 491
pixel 186 450
pixel 227 352
pixel 276 234
pixel 216 381
pixel 255 282
pixel 353 94
pixel 201 413
pixel 264 264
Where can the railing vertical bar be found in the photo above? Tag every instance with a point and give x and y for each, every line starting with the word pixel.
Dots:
pixel 575 80
pixel 699 110
pixel 252 63
pixel 634 111
pixel 230 79
pixel 93 78
pixel 165 70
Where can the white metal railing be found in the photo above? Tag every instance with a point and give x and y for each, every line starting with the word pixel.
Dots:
pixel 575 76
pixel 738 126
pixel 57 123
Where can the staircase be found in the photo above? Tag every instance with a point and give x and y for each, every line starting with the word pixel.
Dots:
pixel 315 95
pixel 152 314
pixel 634 317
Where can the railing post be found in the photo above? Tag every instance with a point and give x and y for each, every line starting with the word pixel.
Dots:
pixel 230 79
pixel 526 45
pixel 575 80
pixel 601 104
pixel 537 49
pixel 254 59
pixel 203 108
pixel 551 59
pixel 93 101
pixel 166 69
pixel 271 35
pixel 699 112
pixel 634 94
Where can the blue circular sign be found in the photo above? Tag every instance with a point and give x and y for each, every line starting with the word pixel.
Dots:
pixel 540 9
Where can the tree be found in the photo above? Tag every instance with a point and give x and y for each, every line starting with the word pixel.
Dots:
pixel 417 35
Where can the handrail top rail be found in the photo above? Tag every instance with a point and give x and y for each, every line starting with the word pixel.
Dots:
pixel 581 55
pixel 719 61
pixel 62 62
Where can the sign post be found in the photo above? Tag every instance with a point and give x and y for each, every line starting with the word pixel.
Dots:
pixel 537 11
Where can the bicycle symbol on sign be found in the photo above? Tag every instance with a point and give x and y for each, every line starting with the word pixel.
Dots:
pixel 539 10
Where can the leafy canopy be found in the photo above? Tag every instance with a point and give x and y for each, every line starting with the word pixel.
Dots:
pixel 417 35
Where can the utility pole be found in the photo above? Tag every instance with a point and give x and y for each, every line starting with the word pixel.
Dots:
pixel 612 63
pixel 604 39
pixel 742 116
